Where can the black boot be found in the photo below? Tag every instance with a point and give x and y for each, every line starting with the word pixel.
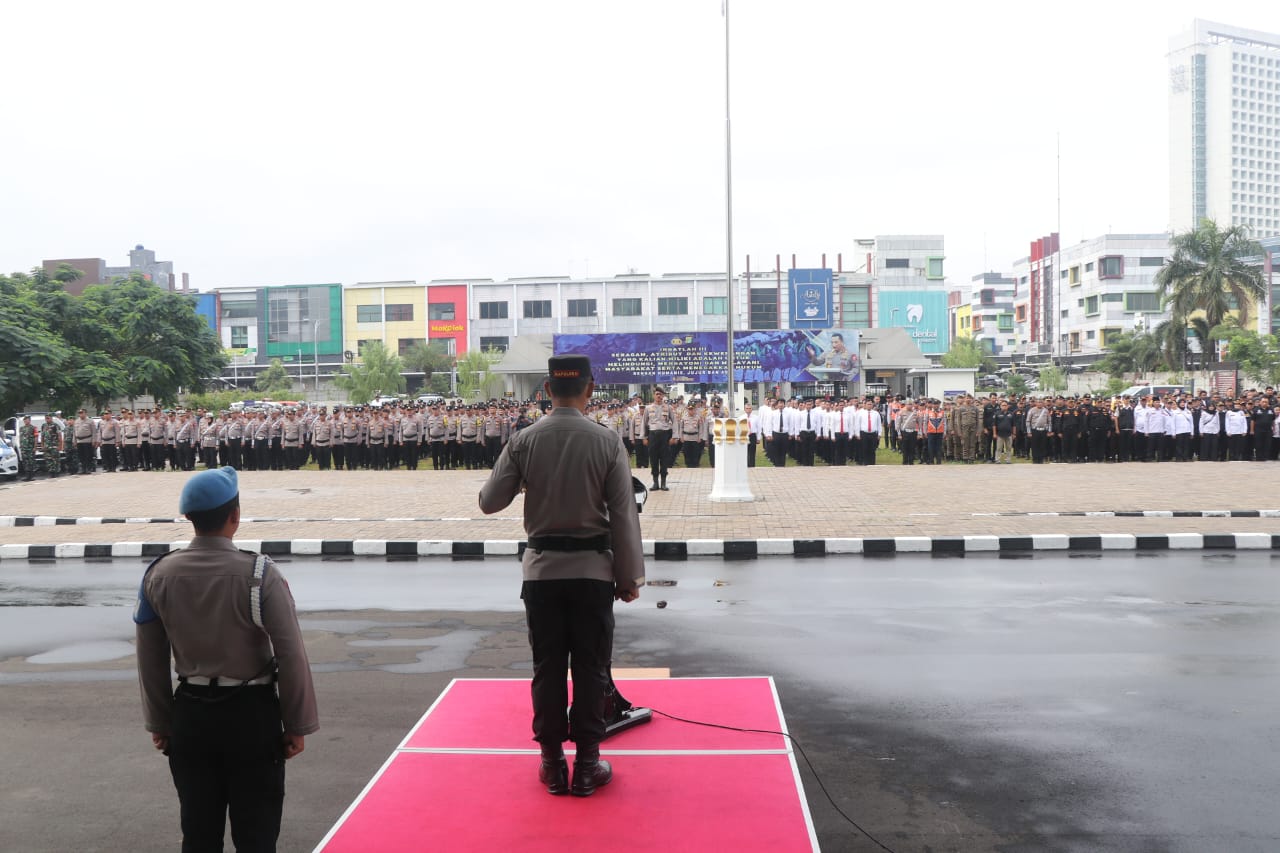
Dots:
pixel 590 774
pixel 664 483
pixel 554 772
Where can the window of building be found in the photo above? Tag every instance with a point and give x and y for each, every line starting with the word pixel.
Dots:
pixel 1112 297
pixel 988 296
pixel 934 268
pixel 1088 267
pixel 764 308
pixel 715 305
pixel 441 311
pixel 368 313
pixel 1150 262
pixel 493 310
pixel 1090 335
pixel 1073 275
pixel 448 346
pixel 897 263
pixel 406 344
pixel 496 343
pixel 855 307
pixel 976 322
pixel 1147 302
pixel 1090 305
pixel 1107 336
pixel 1020 313
pixel 1063 275
pixel 1065 313
pixel 239 310
pixel 400 313
pixel 1075 341
pixel 673 305
pixel 582 308
pixel 360 345
pixel 239 337
pixel 628 307
pixel 537 309
pixel 1111 266
pixel 1004 322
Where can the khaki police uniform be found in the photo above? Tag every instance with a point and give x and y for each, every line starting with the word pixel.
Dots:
pixel 584 547
pixel 227 619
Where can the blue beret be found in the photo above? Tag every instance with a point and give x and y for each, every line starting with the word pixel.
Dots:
pixel 209 490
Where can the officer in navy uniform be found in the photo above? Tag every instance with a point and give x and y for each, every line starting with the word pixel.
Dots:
pixel 583 552
pixel 245 699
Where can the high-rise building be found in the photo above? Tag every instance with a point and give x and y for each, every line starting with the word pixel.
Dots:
pixel 1224 128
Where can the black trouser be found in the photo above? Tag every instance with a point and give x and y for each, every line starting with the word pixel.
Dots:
pixel 804 448
pixel 1039 445
pixel 157 456
pixel 1208 447
pixel 642 453
pixel 779 448
pixel 339 455
pixel 226 754
pixel 110 457
pixel 129 452
pixel 692 452
pixel 1236 448
pixel 438 458
pixel 570 626
pixel 409 453
pixel 324 453
pixel 209 456
pixel 867 446
pixel 262 452
pixel 292 456
pixel 492 449
pixel 1125 449
pixel 658 462
pixel 752 445
pixel 840 449
pixel 907 441
pixel 233 452
pixel 84 452
pixel 1182 447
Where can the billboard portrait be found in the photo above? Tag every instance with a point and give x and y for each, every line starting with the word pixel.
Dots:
pixel 775 355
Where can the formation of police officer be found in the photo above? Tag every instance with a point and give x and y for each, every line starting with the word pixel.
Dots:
pixel 224 620
pixel 583 552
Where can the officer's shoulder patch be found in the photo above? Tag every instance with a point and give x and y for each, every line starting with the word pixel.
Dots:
pixel 143 612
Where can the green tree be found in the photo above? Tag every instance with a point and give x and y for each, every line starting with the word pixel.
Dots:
pixel 1053 379
pixel 1257 355
pixel 1015 383
pixel 379 372
pixel 475 372
pixel 428 359
pixel 1131 352
pixel 33 355
pixel 968 352
pixel 1211 269
pixel 274 380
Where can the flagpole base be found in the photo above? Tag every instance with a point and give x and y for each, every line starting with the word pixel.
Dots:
pixel 730 483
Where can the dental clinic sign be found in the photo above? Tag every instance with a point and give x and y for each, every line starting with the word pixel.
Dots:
pixel 922 313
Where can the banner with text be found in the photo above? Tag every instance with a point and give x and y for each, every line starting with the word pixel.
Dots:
pixel 783 355
pixel 923 313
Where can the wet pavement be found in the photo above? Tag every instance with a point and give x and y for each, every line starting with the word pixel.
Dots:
pixel 1117 702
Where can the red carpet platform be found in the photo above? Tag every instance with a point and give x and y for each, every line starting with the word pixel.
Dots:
pixel 465 778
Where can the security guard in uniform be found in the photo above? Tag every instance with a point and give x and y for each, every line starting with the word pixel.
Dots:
pixel 245 699
pixel 584 551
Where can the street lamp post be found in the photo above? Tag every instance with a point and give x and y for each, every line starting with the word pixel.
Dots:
pixel 315 352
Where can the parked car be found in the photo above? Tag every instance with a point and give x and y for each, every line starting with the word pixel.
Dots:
pixel 1143 390
pixel 8 460
pixel 991 380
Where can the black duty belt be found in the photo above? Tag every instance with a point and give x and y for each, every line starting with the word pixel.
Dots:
pixel 571 543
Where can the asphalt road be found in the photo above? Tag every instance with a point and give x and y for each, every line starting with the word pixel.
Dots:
pixel 1118 702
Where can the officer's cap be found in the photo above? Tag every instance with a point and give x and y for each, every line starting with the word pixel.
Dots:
pixel 209 490
pixel 569 367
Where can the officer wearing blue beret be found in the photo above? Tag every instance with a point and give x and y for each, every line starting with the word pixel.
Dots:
pixel 224 619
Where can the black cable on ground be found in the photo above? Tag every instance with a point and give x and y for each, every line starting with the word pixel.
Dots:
pixel 799 749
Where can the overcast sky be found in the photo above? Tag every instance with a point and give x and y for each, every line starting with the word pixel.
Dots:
pixel 278 143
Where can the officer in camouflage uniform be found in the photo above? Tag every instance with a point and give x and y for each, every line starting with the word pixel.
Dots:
pixel 27 449
pixel 51 438
pixel 969 424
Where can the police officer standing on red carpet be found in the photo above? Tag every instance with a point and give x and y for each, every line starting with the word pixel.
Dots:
pixel 584 551
pixel 245 699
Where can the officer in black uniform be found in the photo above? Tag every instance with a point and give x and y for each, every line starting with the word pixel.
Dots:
pixel 584 551
pixel 245 699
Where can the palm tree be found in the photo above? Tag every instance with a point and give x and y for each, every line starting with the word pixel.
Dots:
pixel 1210 269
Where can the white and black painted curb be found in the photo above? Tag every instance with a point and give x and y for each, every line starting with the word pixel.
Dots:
pixel 59 521
pixel 729 549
